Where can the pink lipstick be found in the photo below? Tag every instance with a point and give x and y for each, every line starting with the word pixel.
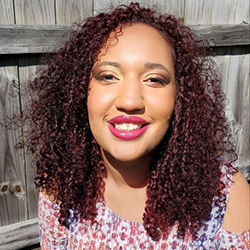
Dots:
pixel 127 127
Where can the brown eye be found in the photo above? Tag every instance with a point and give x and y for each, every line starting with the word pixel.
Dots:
pixel 106 77
pixel 156 81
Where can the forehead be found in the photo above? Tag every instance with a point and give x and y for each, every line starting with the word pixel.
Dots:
pixel 138 39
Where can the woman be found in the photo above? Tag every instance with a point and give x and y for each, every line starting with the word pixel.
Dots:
pixel 129 131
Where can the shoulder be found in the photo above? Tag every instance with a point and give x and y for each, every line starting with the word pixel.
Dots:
pixel 237 216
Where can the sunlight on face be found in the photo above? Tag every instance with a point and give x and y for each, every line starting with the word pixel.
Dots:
pixel 132 93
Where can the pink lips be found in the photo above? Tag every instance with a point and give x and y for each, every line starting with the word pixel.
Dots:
pixel 127 135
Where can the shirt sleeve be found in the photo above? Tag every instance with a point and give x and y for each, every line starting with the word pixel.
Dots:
pixel 52 235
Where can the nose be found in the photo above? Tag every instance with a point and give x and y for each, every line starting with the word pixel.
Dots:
pixel 130 97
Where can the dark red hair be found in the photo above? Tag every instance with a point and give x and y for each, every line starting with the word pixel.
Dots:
pixel 185 173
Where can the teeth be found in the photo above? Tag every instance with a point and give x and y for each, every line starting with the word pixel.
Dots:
pixel 127 126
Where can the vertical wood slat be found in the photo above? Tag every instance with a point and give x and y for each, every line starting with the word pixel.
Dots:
pixel 12 196
pixel 31 12
pixel 12 203
pixel 69 11
pixel 217 12
pixel 234 68
pixel 235 84
pixel 27 67
pixel 7 12
pixel 174 7
pixel 34 11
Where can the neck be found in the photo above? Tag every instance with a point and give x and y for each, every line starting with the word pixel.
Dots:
pixel 132 174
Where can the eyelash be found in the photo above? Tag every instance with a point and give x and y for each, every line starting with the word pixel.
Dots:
pixel 106 77
pixel 110 77
pixel 157 80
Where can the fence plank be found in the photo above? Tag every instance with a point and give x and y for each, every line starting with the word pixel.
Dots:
pixel 19 235
pixel 12 196
pixel 12 191
pixel 235 84
pixel 31 12
pixel 69 11
pixel 34 11
pixel 234 66
pixel 174 7
pixel 24 39
pixel 206 12
pixel 7 12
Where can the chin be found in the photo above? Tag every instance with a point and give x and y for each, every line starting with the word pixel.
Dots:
pixel 125 156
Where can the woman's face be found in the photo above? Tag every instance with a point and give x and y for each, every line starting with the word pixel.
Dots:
pixel 132 93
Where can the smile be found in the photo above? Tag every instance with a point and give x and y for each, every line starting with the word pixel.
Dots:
pixel 127 127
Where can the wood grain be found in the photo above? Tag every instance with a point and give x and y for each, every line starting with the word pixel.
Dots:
pixel 34 11
pixel 7 12
pixel 235 70
pixel 31 12
pixel 174 7
pixel 70 11
pixel 12 189
pixel 24 39
pixel 233 67
pixel 217 12
pixel 13 207
pixel 19 235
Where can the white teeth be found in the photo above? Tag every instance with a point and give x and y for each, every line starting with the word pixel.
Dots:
pixel 127 126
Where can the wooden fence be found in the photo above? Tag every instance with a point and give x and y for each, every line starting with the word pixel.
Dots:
pixel 31 27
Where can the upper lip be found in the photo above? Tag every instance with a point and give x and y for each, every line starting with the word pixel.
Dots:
pixel 127 119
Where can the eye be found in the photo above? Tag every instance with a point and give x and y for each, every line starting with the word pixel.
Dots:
pixel 106 78
pixel 156 81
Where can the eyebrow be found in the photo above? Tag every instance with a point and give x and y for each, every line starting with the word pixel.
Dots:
pixel 115 64
pixel 150 65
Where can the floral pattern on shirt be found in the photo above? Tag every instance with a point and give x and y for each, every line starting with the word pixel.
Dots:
pixel 112 232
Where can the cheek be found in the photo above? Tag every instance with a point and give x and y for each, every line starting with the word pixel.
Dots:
pixel 99 102
pixel 163 105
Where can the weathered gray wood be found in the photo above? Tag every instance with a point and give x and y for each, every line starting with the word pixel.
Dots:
pixel 174 7
pixel 223 35
pixel 34 11
pixel 7 12
pixel 13 207
pixel 69 11
pixel 235 83
pixel 12 191
pixel 31 12
pixel 20 39
pixel 27 67
pixel 19 235
pixel 234 68
pixel 217 12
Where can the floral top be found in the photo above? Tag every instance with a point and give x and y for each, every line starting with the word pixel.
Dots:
pixel 116 233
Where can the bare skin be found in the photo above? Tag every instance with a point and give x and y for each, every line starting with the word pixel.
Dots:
pixel 125 187
pixel 237 217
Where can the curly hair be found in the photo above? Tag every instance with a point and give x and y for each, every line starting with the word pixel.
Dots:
pixel 185 173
